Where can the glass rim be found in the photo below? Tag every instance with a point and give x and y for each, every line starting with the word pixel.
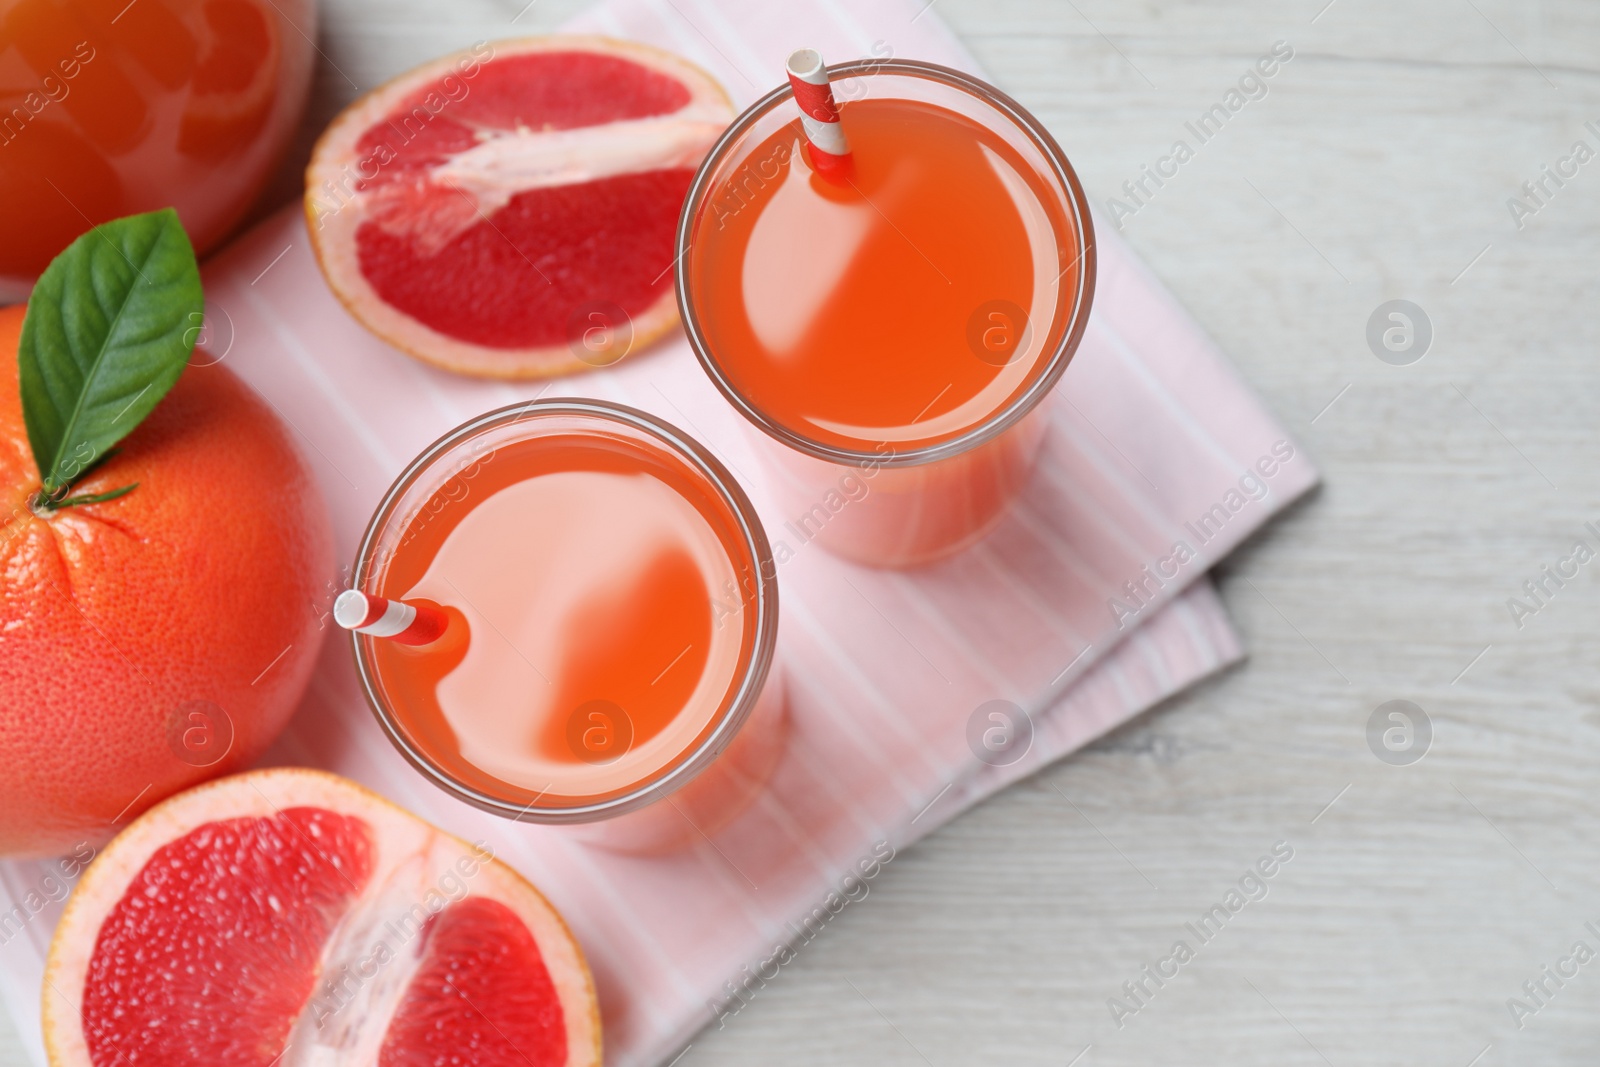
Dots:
pixel 751 681
pixel 1077 204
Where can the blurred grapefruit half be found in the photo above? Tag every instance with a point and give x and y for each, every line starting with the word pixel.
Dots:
pixel 509 211
pixel 289 917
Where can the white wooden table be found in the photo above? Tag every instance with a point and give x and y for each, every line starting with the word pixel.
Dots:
pixel 1421 897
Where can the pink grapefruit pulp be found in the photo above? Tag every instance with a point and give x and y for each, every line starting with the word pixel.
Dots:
pixel 290 917
pixel 509 211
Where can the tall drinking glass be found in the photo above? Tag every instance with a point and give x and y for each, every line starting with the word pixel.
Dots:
pixel 612 606
pixel 892 333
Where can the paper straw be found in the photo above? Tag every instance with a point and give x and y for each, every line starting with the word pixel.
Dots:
pixel 407 624
pixel 819 114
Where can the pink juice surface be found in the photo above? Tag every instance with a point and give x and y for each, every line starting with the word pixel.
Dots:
pixel 919 303
pixel 587 651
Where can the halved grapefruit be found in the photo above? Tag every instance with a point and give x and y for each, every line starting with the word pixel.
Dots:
pixel 289 917
pixel 509 211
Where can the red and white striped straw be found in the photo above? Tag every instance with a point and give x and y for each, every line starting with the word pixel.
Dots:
pixel 408 624
pixel 819 114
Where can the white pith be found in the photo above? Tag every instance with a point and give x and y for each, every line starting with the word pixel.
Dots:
pixel 411 863
pixel 497 168
pixel 486 177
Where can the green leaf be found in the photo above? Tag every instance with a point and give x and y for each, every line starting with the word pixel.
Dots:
pixel 109 329
pixel 89 498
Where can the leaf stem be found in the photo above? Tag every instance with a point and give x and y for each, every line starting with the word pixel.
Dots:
pixel 44 503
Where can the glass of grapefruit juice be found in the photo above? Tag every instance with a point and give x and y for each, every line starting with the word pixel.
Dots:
pixel 612 617
pixel 893 330
pixel 107 109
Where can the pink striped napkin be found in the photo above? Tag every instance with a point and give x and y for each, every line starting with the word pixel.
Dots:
pixel 1086 607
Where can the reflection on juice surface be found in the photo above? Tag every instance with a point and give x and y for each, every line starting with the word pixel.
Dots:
pixel 904 308
pixel 597 625
pixel 109 108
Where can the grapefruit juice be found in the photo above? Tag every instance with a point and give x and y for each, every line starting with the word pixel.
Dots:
pixel 903 321
pixel 108 109
pixel 610 626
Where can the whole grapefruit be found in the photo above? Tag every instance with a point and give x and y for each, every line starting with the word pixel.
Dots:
pixel 160 638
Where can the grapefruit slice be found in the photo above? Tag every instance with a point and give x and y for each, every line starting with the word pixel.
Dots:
pixel 289 917
pixel 235 83
pixel 509 211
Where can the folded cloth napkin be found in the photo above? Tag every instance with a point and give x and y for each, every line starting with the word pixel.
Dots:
pixel 1081 608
